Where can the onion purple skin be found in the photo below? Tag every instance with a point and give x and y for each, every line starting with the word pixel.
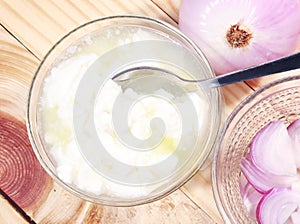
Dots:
pixel 273 24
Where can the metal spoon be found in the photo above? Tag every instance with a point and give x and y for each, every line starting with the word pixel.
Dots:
pixel 276 66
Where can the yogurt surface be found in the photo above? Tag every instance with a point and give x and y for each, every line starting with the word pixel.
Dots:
pixel 57 105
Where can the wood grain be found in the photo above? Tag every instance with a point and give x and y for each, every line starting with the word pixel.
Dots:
pixel 203 194
pixel 171 7
pixel 199 188
pixel 8 214
pixel 59 207
pixel 17 67
pixel 46 21
pixel 21 175
pixel 174 209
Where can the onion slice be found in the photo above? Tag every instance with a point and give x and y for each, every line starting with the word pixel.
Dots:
pixel 294 132
pixel 295 217
pixel 250 195
pixel 272 150
pixel 279 206
pixel 263 181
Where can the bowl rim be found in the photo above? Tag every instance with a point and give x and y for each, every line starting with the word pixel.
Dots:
pixel 229 120
pixel 31 128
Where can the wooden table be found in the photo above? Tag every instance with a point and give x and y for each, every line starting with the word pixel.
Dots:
pixel 28 195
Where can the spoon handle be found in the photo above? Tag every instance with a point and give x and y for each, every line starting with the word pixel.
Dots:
pixel 281 65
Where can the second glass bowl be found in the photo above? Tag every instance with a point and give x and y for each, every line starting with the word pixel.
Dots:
pixel 279 100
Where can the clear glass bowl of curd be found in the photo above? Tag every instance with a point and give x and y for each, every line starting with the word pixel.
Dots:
pixel 116 146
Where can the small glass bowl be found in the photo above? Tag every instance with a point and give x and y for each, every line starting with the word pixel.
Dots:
pixel 279 100
pixel 67 45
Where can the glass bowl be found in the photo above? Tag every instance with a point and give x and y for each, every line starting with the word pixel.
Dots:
pixel 278 100
pixel 118 44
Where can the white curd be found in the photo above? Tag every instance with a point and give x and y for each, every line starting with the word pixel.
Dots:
pixel 57 105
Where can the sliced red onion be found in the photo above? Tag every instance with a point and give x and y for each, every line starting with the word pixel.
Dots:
pixel 278 206
pixel 250 196
pixel 272 150
pixel 271 168
pixel 294 132
pixel 244 186
pixel 236 34
pixel 263 181
pixel 295 217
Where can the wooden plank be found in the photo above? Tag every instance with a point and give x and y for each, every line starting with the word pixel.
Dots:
pixel 8 214
pixel 21 176
pixel 174 209
pixel 17 67
pixel 200 190
pixel 45 22
pixel 59 207
pixel 18 165
pixel 171 7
